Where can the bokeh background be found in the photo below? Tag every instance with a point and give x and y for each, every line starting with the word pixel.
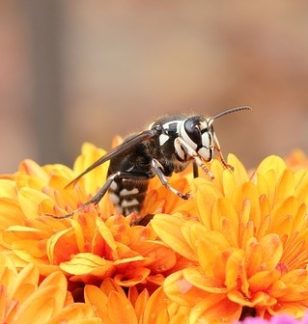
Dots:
pixel 74 71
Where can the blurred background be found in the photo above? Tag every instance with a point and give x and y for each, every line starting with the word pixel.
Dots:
pixel 74 71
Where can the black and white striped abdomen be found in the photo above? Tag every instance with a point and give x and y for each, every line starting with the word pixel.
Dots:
pixel 128 195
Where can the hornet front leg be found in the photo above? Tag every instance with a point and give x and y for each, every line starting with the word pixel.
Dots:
pixel 158 170
pixel 195 156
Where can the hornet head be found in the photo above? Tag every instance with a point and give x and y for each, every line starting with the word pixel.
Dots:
pixel 198 137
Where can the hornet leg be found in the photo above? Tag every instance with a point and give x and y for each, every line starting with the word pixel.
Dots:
pixel 158 170
pixel 102 191
pixel 195 169
pixel 222 159
pixel 195 156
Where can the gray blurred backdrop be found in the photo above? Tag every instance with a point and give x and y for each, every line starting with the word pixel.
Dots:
pixel 74 71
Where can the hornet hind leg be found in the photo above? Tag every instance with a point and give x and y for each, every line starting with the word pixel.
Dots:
pixel 102 191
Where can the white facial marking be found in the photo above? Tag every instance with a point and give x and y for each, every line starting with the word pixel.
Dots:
pixel 206 139
pixel 186 138
pixel 179 150
pixel 163 138
pixel 204 125
pixel 114 198
pixel 113 185
pixel 129 203
pixel 205 153
pixel 125 192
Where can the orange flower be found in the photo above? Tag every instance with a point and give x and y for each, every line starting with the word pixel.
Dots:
pixel 240 245
pixel 249 245
pixel 91 245
pixel 297 159
pixel 134 307
pixel 23 299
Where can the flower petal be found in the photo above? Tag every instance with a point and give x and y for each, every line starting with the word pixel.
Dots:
pixel 155 310
pixel 7 188
pixel 30 200
pixel 182 292
pixel 95 297
pixel 117 302
pixel 215 310
pixel 87 263
pixel 168 227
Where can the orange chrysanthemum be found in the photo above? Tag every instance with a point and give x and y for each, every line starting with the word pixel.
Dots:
pixel 239 246
pixel 24 300
pixel 297 159
pixel 249 244
pixel 91 245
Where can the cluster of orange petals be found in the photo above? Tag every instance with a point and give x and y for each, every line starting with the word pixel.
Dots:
pixel 239 245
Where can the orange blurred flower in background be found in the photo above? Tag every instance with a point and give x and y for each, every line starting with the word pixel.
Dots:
pixel 239 244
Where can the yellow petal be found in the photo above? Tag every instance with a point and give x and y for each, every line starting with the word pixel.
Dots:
pixel 141 303
pixel 272 162
pixel 236 271
pixel 7 188
pixel 32 168
pixel 55 249
pixel 179 290
pixel 272 251
pixel 168 228
pixel 30 200
pixel 249 192
pixel 262 280
pixel 132 277
pixel 211 251
pixel 58 280
pixel 3 304
pixel 285 186
pixel 87 263
pixel 239 172
pixel 80 240
pixel 158 256
pixel 301 186
pixel 206 195
pixel 226 220
pixel 282 216
pixel 254 256
pixel 108 285
pixel 260 299
pixel 129 261
pixel 217 309
pixel 197 278
pixel 106 234
pixel 33 247
pixel 38 308
pixel 193 232
pixel 96 178
pixel 76 313
pixel 10 213
pixel 95 297
pixel 117 302
pixel 263 255
pixel 234 179
pixel 27 276
pixel 155 310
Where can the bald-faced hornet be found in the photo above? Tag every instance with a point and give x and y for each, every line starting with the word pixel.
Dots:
pixel 168 146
